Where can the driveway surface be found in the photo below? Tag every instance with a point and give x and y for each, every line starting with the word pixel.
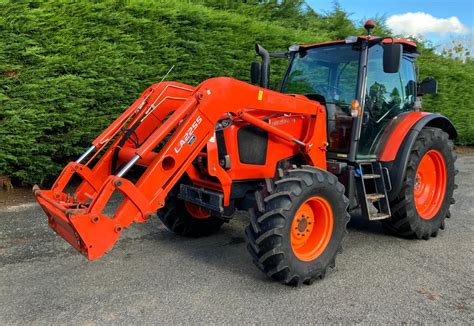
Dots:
pixel 152 276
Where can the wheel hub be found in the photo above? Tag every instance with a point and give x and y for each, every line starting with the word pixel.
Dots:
pixel 196 211
pixel 430 184
pixel 303 224
pixel 417 182
pixel 311 228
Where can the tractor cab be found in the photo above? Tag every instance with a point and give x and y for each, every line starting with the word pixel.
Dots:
pixel 364 83
pixel 349 77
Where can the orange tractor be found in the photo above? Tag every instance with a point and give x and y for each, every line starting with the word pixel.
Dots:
pixel 345 131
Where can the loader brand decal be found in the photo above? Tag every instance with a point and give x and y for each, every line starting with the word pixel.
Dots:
pixel 189 135
pixel 284 121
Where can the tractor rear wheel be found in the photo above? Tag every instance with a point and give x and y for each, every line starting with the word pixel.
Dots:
pixel 422 205
pixel 297 227
pixel 187 219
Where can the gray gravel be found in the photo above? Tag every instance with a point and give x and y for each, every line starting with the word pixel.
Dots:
pixel 153 276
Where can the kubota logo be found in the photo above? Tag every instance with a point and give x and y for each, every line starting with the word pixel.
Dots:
pixel 189 135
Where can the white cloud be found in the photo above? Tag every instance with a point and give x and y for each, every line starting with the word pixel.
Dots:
pixel 421 23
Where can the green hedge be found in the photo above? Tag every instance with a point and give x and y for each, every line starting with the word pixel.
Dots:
pixel 455 97
pixel 67 68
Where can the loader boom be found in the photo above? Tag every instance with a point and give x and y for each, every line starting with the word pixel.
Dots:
pixel 188 116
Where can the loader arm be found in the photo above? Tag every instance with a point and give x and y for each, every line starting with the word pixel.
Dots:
pixel 180 118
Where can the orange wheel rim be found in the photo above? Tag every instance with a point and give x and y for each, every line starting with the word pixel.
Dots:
pixel 430 184
pixel 311 228
pixel 196 211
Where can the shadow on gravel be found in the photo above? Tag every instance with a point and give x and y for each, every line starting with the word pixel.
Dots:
pixel 362 225
pixel 224 251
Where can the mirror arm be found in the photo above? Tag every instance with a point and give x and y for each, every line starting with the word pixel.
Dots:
pixel 281 55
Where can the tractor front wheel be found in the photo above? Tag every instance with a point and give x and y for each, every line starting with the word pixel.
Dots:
pixel 297 227
pixel 187 219
pixel 422 205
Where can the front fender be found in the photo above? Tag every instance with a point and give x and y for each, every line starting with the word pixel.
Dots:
pixel 395 146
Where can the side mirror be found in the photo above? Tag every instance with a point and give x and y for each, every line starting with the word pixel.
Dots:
pixel 255 69
pixel 429 85
pixel 392 57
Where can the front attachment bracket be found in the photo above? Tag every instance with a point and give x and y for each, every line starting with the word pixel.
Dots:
pixel 202 197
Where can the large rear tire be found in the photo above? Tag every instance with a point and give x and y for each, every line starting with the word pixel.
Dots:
pixel 297 227
pixel 421 207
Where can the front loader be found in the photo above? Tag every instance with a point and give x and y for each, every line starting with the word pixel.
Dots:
pixel 344 132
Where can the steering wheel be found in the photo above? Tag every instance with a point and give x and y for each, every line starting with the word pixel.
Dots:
pixel 383 115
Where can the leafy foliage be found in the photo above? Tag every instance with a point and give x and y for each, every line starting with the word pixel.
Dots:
pixel 455 98
pixel 67 68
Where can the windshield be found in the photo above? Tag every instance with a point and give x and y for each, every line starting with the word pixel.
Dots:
pixel 330 71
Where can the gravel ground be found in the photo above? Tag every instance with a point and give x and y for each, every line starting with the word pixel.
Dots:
pixel 152 276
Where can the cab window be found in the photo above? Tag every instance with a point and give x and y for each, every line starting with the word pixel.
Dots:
pixel 329 75
pixel 329 71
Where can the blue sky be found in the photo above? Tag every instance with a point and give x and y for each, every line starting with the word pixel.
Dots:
pixel 431 28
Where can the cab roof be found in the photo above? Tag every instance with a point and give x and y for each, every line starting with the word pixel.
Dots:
pixel 408 46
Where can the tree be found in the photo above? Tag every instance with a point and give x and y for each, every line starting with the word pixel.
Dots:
pixel 460 49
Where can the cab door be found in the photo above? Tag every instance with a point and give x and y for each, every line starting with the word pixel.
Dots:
pixel 387 95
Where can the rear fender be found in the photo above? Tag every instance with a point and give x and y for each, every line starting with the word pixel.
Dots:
pixel 397 142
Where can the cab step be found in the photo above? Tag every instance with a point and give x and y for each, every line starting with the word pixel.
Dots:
pixel 371 189
pixel 378 216
pixel 374 197
pixel 371 176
